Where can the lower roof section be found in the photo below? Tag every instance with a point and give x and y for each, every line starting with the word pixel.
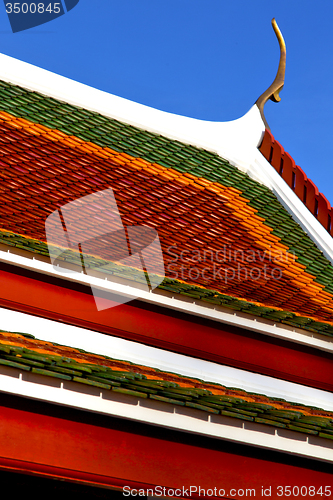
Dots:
pixel 72 377
pixel 228 425
pixel 69 341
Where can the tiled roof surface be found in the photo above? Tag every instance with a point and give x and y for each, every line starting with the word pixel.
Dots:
pixel 52 153
pixel 297 180
pixel 26 353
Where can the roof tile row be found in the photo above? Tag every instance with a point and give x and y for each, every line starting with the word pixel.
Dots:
pixel 24 352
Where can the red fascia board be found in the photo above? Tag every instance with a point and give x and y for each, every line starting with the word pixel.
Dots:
pixel 109 452
pixel 324 211
pixel 165 328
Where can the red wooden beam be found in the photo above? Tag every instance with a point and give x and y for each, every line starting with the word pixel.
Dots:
pixel 108 452
pixel 167 329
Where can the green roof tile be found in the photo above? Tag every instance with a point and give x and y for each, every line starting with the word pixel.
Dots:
pixel 51 373
pixel 14 364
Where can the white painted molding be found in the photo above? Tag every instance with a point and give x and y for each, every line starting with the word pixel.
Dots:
pixel 75 395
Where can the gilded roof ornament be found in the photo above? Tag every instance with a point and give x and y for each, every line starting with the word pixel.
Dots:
pixel 273 91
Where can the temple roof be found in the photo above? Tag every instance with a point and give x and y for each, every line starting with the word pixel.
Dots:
pixel 226 237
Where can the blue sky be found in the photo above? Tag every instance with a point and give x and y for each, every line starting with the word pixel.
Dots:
pixel 205 59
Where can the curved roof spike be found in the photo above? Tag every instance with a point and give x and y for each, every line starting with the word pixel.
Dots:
pixel 273 91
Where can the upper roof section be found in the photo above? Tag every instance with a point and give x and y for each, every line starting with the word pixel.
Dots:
pixel 230 232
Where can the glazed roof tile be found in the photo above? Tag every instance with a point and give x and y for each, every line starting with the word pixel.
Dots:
pixel 25 352
pixel 52 153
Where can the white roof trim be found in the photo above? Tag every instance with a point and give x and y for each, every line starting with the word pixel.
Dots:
pixel 236 139
pixel 118 348
pixel 175 417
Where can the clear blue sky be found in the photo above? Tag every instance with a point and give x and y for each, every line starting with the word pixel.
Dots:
pixel 208 59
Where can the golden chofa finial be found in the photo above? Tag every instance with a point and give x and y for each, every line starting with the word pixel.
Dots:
pixel 273 91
